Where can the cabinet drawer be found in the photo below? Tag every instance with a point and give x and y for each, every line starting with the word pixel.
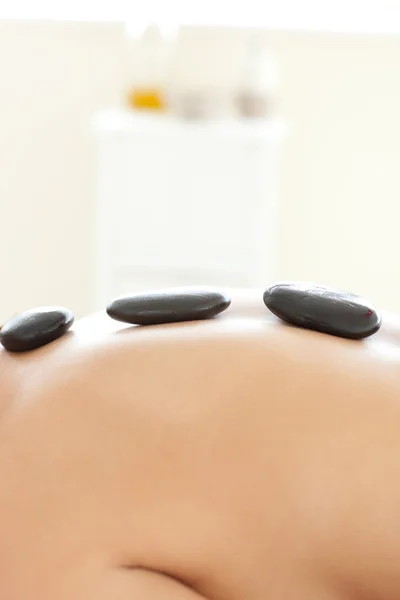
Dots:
pixel 193 206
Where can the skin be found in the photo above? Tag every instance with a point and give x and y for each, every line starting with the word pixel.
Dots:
pixel 233 459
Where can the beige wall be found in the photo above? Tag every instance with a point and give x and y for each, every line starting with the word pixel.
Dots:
pixel 341 177
pixel 52 78
pixel 341 188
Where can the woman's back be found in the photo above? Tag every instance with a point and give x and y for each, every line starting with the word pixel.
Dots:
pixel 231 459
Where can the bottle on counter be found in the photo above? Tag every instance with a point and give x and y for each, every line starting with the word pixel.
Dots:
pixel 258 79
pixel 150 48
pixel 198 90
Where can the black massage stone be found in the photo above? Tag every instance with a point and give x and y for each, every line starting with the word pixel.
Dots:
pixel 155 308
pixel 34 328
pixel 323 309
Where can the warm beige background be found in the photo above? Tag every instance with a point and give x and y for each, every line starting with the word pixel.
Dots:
pixel 341 176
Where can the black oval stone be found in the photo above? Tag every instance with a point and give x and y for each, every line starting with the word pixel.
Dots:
pixel 168 306
pixel 34 328
pixel 323 309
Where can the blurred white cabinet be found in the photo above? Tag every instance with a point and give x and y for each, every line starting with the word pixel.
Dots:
pixel 184 203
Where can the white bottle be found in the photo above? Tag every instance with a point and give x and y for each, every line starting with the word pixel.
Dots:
pixel 258 79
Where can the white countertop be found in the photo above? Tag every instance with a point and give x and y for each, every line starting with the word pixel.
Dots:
pixel 128 122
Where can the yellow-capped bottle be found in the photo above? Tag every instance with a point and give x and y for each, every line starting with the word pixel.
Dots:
pixel 150 49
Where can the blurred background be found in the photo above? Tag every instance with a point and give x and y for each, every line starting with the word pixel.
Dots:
pixel 145 145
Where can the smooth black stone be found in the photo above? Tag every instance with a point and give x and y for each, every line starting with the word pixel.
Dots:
pixel 35 328
pixel 155 308
pixel 323 309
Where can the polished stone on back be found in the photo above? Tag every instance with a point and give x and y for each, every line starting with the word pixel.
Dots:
pixel 34 328
pixel 168 306
pixel 323 309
